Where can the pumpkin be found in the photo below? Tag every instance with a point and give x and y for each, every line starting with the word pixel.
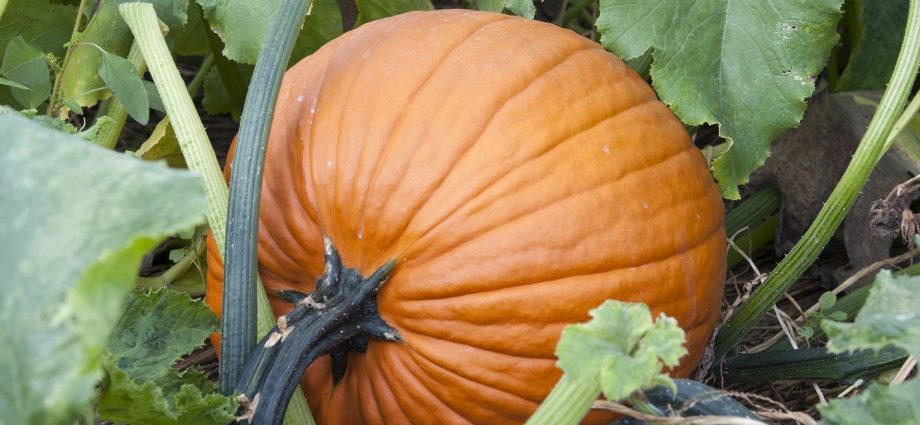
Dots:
pixel 518 173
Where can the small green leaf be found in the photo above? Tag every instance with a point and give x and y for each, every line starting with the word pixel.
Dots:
pixel 74 107
pixel 12 83
pixel 153 96
pixel 878 405
pixel 490 5
pixel 371 10
pixel 162 144
pixel 742 64
pixel 28 66
pixel 827 301
pixel 889 317
pixel 178 254
pixel 63 295
pixel 121 77
pixel 838 316
pixel 621 348
pixel 808 332
pixel 523 8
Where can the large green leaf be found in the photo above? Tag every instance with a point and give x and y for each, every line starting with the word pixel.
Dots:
pixel 621 348
pixel 878 405
pixel 747 65
pixel 880 28
pixel 243 24
pixel 80 81
pixel 156 330
pixel 77 220
pixel 40 23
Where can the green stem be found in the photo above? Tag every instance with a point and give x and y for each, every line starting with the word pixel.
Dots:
pixel 198 80
pixel 752 240
pixel 566 404
pixel 238 327
pixel 55 100
pixel 108 134
pixel 196 148
pixel 809 364
pixel 752 211
pixel 870 150
pixel 169 276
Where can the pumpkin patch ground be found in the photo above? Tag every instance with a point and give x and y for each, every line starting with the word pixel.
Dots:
pixel 459 212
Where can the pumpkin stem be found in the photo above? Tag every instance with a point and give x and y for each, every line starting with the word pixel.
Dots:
pixel 339 316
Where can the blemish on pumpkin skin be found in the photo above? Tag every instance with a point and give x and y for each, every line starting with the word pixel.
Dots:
pixel 606 149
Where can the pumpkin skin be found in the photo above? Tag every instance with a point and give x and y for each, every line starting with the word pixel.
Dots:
pixel 518 173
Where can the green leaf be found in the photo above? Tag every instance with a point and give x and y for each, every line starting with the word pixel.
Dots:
pixel 621 348
pixel 889 317
pixel 523 8
pixel 81 220
pixel 880 28
pixel 12 83
pixel 371 10
pixel 40 23
pixel 120 76
pixel 216 99
pixel 739 63
pixel 153 96
pixel 74 107
pixel 192 40
pixel 838 316
pixel 162 144
pixel 28 66
pixel 80 80
pixel 877 405
pixel 157 329
pixel 491 5
pixel 827 301
pixel 242 25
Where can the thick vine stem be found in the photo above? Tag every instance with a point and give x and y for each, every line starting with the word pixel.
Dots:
pixel 238 324
pixel 873 145
pixel 340 314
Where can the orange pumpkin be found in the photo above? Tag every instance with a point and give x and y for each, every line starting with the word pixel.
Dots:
pixel 518 173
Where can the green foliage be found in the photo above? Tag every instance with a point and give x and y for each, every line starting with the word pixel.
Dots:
pixel 40 23
pixel 26 66
pixel 878 405
pixel 80 218
pixel 192 40
pixel 523 8
pixel 157 329
pixel 889 317
pixel 80 81
pixel 622 348
pixel 121 78
pixel 879 28
pixel 242 24
pixel 727 62
pixel 370 10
